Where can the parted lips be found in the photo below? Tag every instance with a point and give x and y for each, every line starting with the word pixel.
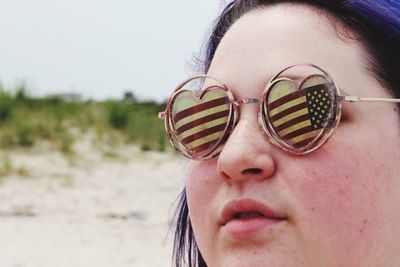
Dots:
pixel 299 114
pixel 200 120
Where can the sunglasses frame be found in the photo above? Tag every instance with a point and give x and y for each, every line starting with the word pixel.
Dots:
pixel 263 117
pixel 327 131
pixel 174 139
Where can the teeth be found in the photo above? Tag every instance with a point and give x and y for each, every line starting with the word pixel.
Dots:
pixel 247 215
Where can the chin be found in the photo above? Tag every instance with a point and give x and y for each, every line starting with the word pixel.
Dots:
pixel 252 258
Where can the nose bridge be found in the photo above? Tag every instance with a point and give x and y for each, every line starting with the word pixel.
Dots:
pixel 247 152
pixel 248 101
pixel 256 101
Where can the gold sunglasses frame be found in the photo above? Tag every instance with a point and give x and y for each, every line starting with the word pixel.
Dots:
pixel 174 139
pixel 263 117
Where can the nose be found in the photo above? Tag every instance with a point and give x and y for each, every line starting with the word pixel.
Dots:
pixel 247 154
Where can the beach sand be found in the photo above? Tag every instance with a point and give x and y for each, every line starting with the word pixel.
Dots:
pixel 95 208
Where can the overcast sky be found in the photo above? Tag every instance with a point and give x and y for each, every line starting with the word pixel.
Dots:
pixel 101 48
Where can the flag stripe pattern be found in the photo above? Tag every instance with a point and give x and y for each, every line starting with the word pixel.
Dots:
pixel 197 122
pixel 289 111
pixel 198 108
pixel 203 133
pixel 201 123
pixel 291 122
pixel 299 116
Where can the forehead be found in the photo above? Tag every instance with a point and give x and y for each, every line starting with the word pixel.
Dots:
pixel 264 41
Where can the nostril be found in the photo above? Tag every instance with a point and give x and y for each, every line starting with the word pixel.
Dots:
pixel 252 171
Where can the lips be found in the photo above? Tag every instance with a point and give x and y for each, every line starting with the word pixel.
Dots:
pixel 246 217
pixel 247 209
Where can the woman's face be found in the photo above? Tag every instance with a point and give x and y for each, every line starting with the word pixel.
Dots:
pixel 256 205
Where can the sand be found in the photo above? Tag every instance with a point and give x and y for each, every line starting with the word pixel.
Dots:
pixel 89 209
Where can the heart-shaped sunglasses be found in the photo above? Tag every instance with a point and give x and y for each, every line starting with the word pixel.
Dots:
pixel 299 109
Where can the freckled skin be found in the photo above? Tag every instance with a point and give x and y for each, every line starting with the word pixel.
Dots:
pixel 342 201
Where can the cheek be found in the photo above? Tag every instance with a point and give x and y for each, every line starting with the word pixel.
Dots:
pixel 340 191
pixel 201 188
pixel 200 184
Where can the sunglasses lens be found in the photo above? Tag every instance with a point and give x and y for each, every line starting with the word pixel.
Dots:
pixel 200 119
pixel 300 114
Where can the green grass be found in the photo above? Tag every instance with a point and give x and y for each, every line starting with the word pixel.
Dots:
pixel 6 166
pixel 25 121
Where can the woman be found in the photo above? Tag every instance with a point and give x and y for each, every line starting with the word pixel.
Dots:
pixel 257 194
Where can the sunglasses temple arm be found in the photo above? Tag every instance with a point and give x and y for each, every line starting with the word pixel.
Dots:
pixel 351 98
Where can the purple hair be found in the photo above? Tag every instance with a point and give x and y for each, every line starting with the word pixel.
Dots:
pixel 383 14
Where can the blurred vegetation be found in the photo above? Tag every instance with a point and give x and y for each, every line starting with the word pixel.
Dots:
pixel 26 120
